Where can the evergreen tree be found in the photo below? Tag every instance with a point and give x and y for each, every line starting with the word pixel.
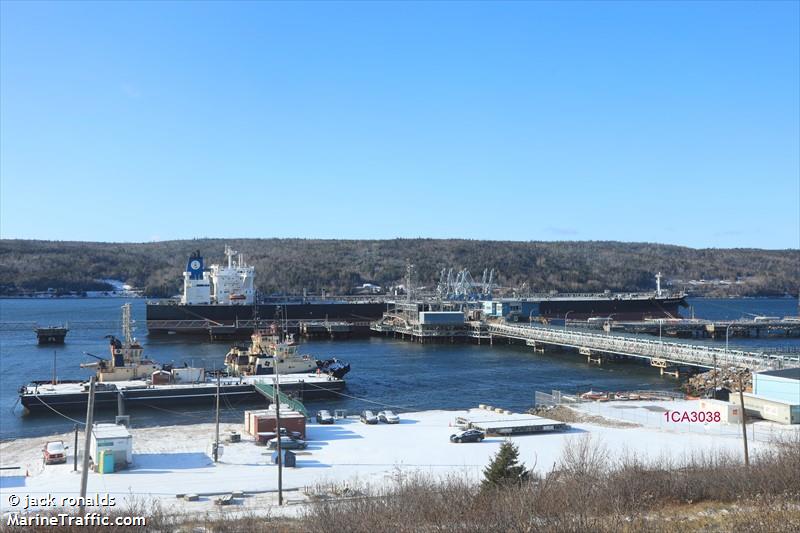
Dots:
pixel 504 468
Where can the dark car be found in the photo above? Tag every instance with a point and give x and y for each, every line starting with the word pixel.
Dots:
pixel 287 443
pixel 292 434
pixel 324 417
pixel 469 435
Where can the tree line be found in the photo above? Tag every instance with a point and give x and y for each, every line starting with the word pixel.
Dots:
pixel 336 266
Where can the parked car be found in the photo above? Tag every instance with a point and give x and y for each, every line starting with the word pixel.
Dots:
pixel 54 452
pixel 293 434
pixel 324 417
pixel 469 435
pixel 287 443
pixel 388 417
pixel 368 417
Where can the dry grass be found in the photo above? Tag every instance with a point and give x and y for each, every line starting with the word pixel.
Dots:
pixel 590 491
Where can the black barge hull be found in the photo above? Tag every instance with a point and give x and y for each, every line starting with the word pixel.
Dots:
pixel 165 397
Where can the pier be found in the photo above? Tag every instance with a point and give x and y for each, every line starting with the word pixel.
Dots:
pixel 243 328
pixel 665 355
pixel 656 352
pixel 334 329
pixel 714 329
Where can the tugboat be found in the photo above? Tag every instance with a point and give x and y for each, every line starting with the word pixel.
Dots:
pixel 126 362
pixel 268 349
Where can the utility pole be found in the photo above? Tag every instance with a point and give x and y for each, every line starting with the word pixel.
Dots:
pixel 87 444
pixel 75 451
pixel 277 391
pixel 278 424
pixel 216 438
pixel 744 421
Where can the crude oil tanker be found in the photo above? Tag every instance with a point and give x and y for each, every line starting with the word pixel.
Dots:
pixel 222 296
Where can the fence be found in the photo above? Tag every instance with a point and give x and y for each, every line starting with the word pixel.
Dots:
pixel 653 416
pixel 557 397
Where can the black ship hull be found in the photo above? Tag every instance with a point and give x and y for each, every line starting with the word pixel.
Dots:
pixel 616 308
pixel 166 318
pixel 156 396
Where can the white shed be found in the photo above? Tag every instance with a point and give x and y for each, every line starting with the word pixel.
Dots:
pixel 115 438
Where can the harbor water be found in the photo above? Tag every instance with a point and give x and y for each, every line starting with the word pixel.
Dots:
pixel 386 372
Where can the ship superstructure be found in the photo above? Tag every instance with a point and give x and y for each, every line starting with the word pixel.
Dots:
pixel 127 361
pixel 230 284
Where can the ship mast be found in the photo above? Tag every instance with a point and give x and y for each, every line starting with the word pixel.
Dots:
pixel 229 253
pixel 127 324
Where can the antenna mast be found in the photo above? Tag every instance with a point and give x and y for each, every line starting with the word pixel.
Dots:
pixel 127 324
pixel 409 276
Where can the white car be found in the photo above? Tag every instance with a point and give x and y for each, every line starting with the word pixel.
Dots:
pixel 388 417
pixel 368 417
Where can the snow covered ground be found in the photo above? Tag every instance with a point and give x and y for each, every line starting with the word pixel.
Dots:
pixel 651 414
pixel 175 459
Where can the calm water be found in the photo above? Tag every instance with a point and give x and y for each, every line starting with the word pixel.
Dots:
pixel 387 372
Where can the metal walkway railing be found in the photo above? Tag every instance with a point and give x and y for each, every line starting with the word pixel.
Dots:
pixel 673 352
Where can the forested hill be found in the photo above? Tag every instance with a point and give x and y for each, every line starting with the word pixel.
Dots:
pixel 290 265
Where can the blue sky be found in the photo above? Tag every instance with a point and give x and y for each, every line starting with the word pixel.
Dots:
pixel 660 122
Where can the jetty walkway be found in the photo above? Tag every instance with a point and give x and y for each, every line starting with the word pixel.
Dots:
pixel 658 352
pixel 661 354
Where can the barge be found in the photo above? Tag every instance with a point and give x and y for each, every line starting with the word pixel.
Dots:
pixel 51 334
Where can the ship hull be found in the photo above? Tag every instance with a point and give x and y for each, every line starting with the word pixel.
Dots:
pixel 165 318
pixel 155 396
pixel 618 309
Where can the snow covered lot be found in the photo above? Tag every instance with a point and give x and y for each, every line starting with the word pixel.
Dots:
pixel 175 459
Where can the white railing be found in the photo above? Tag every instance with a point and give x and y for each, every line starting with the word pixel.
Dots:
pixel 205 324
pixel 673 352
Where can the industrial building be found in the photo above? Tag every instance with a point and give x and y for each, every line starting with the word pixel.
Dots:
pixel 775 396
